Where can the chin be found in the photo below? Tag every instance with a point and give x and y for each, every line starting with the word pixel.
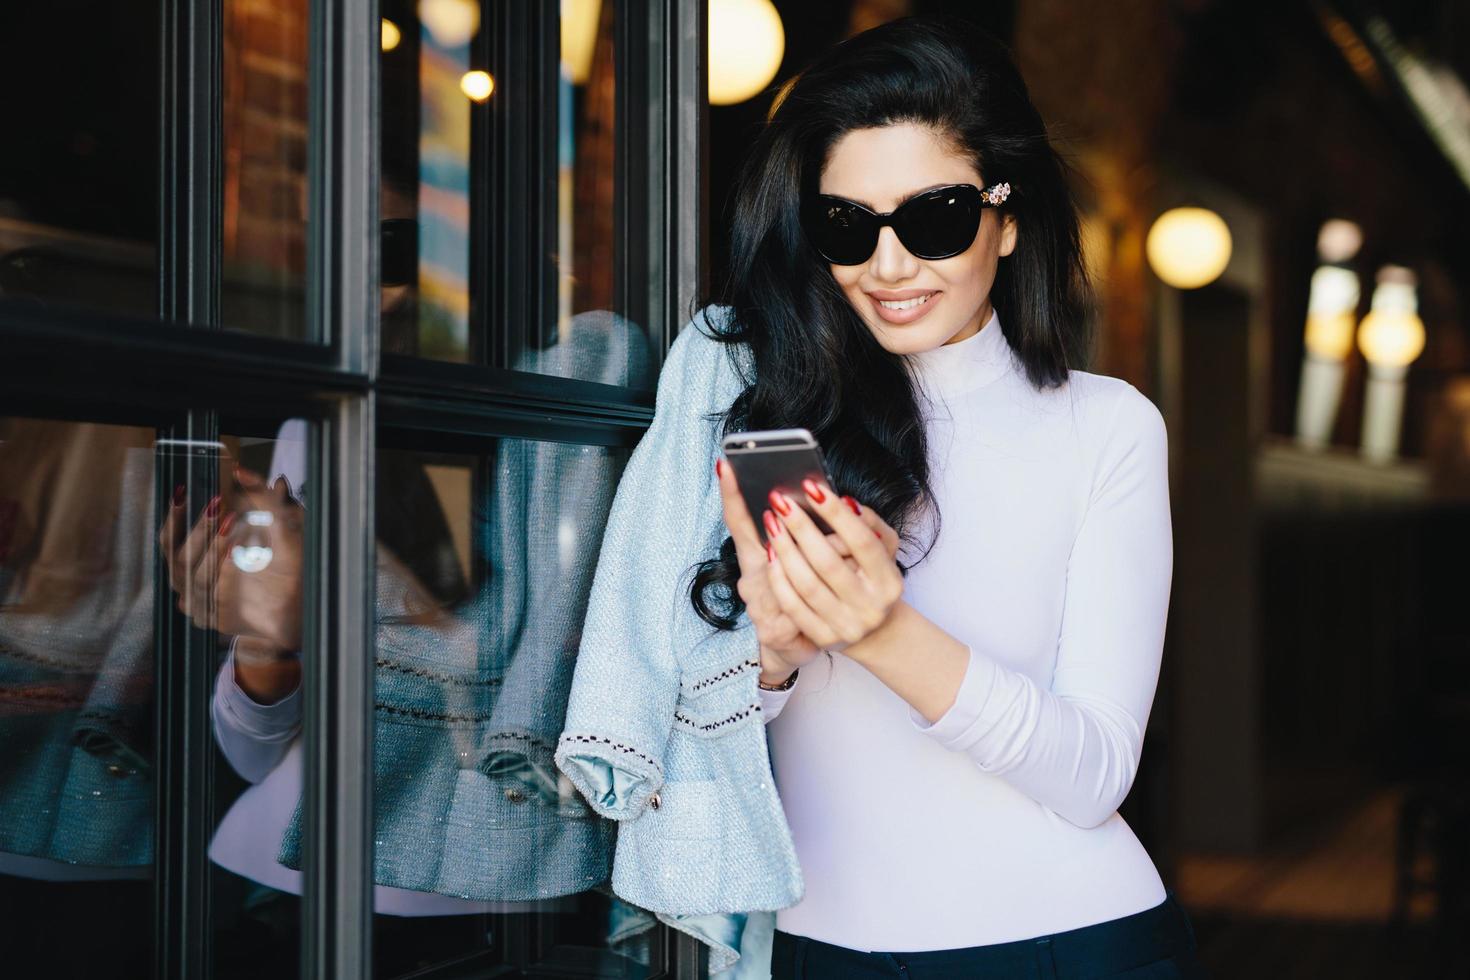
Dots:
pixel 897 339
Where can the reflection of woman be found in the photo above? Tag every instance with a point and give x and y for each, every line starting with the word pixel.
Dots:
pixel 472 815
pixel 950 736
pixel 257 703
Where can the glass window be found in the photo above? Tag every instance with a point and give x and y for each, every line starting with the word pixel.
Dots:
pixel 483 848
pixel 79 173
pixel 107 531
pixel 477 245
pixel 430 97
pixel 264 197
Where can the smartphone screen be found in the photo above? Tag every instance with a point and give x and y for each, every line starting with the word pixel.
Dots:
pixel 776 459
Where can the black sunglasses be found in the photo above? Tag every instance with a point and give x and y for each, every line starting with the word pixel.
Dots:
pixel 934 225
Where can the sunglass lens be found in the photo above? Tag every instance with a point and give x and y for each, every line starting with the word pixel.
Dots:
pixel 940 224
pixel 840 231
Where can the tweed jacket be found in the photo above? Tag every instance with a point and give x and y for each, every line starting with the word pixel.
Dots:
pixel 76 645
pixel 664 732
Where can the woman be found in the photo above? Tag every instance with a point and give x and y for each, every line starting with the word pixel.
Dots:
pixel 954 710
pixel 1006 664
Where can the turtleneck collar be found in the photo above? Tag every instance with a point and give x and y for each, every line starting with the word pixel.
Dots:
pixel 965 365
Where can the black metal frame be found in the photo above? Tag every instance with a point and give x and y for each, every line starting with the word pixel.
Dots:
pixel 181 375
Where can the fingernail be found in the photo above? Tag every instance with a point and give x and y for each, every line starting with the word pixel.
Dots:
pixel 213 507
pixel 877 535
pixel 773 528
pixel 853 504
pixel 180 492
pixel 770 552
pixel 226 524
pixel 779 502
pixel 719 470
pixel 813 491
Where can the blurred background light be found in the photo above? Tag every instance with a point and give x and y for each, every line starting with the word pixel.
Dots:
pixel 1339 240
pixel 451 22
pixel 746 43
pixel 579 20
pixel 1392 334
pixel 477 85
pixel 391 35
pixel 1390 337
pixel 1188 247
pixel 1332 308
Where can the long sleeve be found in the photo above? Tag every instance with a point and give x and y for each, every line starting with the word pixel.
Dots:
pixel 1075 747
pixel 254 737
pixel 639 624
pixel 773 701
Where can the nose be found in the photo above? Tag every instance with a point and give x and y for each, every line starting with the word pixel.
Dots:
pixel 891 262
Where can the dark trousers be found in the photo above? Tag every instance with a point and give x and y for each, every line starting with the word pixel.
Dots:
pixel 1154 944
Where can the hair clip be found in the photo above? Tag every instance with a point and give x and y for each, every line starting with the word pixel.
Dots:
pixel 996 194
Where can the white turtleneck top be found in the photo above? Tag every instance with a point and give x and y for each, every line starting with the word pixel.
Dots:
pixel 1053 565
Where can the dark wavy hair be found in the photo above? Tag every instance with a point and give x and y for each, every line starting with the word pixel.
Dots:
pixel 815 363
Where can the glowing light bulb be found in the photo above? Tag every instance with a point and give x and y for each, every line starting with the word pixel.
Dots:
pixel 1392 335
pixel 451 23
pixel 1331 311
pixel 1188 247
pixel 477 85
pixel 391 35
pixel 746 42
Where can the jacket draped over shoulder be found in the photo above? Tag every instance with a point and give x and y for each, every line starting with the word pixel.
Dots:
pixel 664 731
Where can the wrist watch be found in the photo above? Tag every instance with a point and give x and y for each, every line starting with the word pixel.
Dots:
pixel 783 686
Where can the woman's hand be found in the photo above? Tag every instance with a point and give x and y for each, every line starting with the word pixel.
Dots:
pixel 784 644
pixel 263 607
pixel 835 601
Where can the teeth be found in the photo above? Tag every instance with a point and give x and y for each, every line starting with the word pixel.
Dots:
pixel 907 304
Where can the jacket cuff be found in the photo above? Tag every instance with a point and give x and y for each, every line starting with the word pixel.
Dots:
pixel 614 777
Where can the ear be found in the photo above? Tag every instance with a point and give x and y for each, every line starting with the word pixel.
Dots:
pixel 1008 232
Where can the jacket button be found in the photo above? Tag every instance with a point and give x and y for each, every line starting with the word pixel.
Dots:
pixel 654 801
pixel 515 795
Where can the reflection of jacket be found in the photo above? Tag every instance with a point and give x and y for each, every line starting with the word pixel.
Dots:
pixel 76 644
pixel 663 705
pixel 469 704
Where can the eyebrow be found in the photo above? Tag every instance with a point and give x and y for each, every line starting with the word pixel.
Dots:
pixel 911 195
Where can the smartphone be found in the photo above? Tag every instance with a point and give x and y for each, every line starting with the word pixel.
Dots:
pixel 196 464
pixel 776 459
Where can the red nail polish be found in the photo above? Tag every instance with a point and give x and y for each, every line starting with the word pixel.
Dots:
pixel 877 535
pixel 813 491
pixel 719 470
pixel 779 502
pixel 770 552
pixel 853 504
pixel 213 507
pixel 773 529
pixel 226 524
pixel 180 492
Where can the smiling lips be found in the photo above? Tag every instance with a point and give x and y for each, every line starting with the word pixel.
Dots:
pixel 903 306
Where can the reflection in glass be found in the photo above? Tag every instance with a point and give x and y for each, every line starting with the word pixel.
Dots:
pixel 588 300
pixel 437 97
pixel 425 198
pixel 264 198
pixel 105 532
pixel 79 174
pixel 485 563
pixel 76 692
